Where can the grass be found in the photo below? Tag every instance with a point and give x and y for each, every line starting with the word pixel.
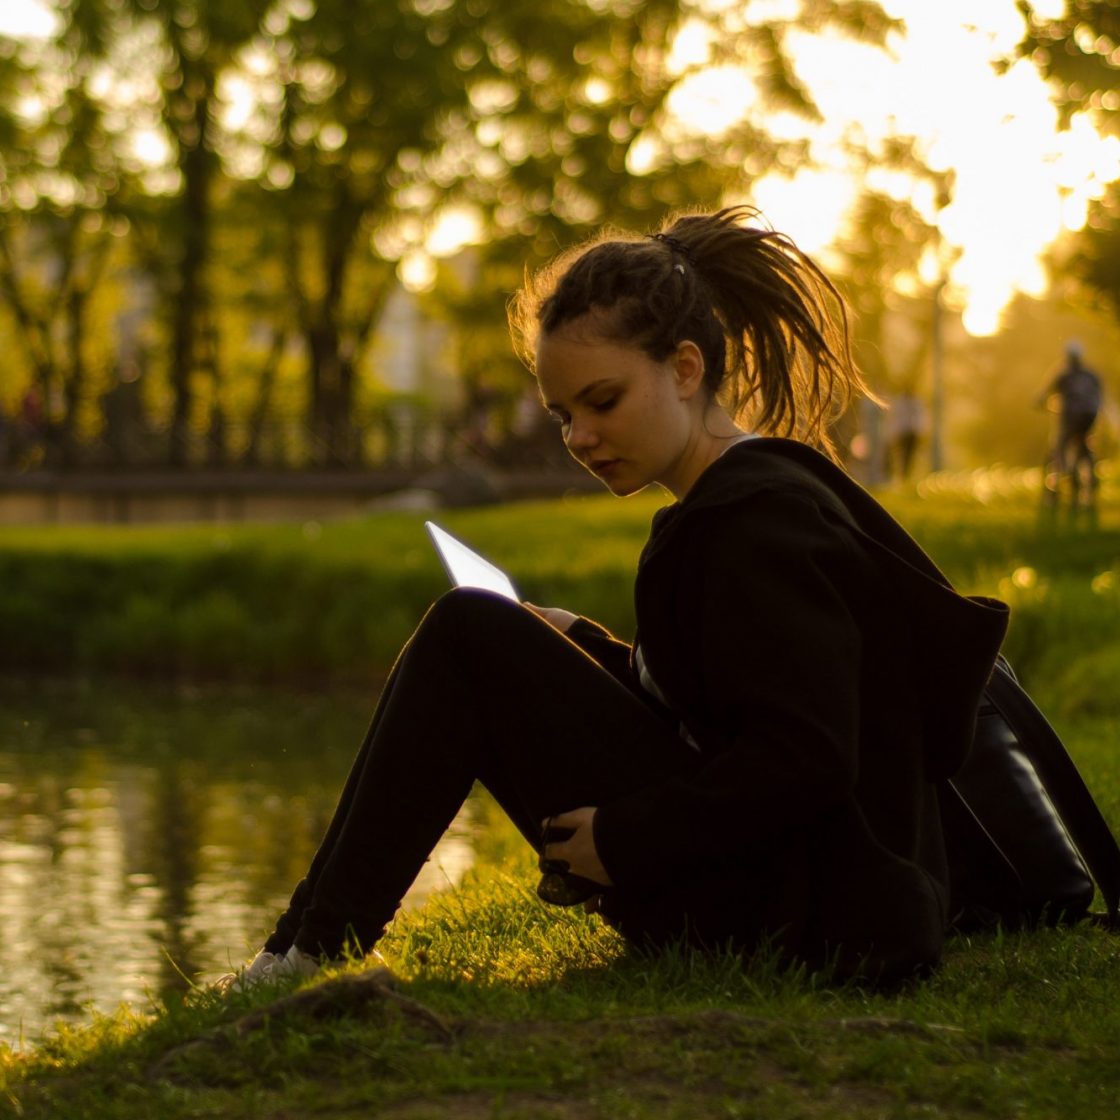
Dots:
pixel 548 1014
pixel 331 602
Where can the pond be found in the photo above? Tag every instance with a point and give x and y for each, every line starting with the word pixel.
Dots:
pixel 150 838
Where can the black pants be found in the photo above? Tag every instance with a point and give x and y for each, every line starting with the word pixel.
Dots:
pixel 484 690
pixel 1073 451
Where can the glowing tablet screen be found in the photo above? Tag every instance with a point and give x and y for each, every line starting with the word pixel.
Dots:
pixel 465 568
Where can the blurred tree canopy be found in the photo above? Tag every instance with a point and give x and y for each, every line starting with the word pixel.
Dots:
pixel 205 207
pixel 1080 54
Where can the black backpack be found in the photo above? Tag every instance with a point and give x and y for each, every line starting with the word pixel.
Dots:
pixel 1025 840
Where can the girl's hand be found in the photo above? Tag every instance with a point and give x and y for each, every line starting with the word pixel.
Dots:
pixel 578 851
pixel 559 619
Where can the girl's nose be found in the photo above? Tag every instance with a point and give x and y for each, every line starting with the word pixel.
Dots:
pixel 581 435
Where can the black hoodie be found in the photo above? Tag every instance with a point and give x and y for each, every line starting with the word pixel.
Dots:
pixel 830 676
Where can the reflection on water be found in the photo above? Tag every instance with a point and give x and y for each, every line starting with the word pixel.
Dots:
pixel 150 839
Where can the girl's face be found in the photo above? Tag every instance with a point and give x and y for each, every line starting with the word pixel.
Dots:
pixel 628 419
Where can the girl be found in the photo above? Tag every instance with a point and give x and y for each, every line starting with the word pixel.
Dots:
pixel 762 765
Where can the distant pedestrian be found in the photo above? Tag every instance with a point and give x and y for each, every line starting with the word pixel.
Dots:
pixel 1078 391
pixel 30 427
pixel 906 424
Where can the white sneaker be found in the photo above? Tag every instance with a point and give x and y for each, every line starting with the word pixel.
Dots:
pixel 272 968
pixel 295 962
pixel 249 975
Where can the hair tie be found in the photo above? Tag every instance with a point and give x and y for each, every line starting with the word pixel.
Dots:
pixel 677 246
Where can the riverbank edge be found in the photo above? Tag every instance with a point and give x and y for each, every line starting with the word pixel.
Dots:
pixel 504 1010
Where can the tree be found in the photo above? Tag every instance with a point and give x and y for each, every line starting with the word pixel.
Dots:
pixel 1079 53
pixel 531 114
pixel 579 127
pixel 344 99
pixel 59 184
pixel 315 144
pixel 194 42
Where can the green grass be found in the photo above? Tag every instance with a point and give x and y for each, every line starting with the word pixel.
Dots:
pixel 332 602
pixel 550 1015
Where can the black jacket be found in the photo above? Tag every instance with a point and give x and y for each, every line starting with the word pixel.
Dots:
pixel 830 676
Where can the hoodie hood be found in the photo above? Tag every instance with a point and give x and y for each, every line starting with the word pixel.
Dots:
pixel 955 638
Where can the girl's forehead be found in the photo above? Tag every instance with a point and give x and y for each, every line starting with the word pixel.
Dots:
pixel 568 357
pixel 562 357
pixel 569 367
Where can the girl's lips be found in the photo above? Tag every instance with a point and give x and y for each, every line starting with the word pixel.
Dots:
pixel 600 466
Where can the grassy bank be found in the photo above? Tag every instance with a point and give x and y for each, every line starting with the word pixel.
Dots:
pixel 519 1011
pixel 333 601
pixel 515 1011
pixel 286 601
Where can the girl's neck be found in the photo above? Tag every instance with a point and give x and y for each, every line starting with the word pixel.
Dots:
pixel 717 444
pixel 737 438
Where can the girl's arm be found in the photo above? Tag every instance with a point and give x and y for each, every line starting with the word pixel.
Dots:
pixel 595 640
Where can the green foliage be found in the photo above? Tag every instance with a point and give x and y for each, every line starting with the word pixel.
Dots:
pixel 276 602
pixel 1076 51
pixel 1088 685
pixel 294 154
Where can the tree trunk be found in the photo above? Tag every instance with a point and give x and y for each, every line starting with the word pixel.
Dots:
pixel 330 379
pixel 191 297
pixel 263 404
pixel 83 284
pixel 35 333
pixel 325 361
pixel 75 383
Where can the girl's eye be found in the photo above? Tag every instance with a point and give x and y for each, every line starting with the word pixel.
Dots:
pixel 559 419
pixel 607 405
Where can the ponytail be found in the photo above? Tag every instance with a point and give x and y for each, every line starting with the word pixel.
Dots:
pixel 771 326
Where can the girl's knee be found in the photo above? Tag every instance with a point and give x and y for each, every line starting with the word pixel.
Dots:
pixel 472 606
pixel 474 625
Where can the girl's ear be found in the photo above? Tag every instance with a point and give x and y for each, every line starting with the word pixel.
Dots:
pixel 688 368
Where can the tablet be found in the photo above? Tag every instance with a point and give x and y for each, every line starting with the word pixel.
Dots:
pixel 465 568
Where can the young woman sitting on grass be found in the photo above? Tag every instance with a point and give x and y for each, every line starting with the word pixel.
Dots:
pixel 761 767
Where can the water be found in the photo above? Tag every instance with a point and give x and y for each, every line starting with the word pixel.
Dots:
pixel 148 838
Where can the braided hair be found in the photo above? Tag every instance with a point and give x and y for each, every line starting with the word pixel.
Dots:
pixel 772 328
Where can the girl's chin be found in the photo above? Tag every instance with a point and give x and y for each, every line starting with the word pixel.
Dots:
pixel 623 488
pixel 619 481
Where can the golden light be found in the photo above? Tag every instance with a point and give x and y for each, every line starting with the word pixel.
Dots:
pixel 712 100
pixel 1018 181
pixel 597 91
pixel 692 47
pixel 417 271
pixel 455 228
pixel 810 206
pixel 150 147
pixel 27 19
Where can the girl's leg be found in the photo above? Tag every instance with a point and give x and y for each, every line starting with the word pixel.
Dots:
pixel 284 935
pixel 484 690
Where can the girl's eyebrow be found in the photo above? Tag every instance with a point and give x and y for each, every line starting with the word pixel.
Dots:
pixel 583 392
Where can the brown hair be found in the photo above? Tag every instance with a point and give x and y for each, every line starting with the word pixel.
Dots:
pixel 772 327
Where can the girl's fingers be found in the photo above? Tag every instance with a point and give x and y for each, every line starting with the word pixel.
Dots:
pixel 573 818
